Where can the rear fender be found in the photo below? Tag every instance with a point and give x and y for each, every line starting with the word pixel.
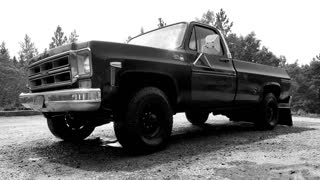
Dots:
pixel 271 87
pixel 285 117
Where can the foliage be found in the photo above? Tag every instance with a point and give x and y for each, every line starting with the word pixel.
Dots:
pixel 244 48
pixel 222 22
pixel 4 51
pixel 73 37
pixel 249 49
pixel 161 23
pixel 129 37
pixel 15 61
pixel 28 51
pixel 219 20
pixel 58 38
pixel 305 86
pixel 207 18
pixel 13 76
pixel 13 82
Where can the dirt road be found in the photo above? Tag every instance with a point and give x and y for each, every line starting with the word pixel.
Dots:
pixel 218 150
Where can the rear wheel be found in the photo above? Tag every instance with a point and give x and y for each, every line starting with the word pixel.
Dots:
pixel 268 113
pixel 68 127
pixel 147 124
pixel 197 118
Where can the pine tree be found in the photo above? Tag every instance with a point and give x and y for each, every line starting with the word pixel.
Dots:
pixel 161 23
pixel 219 20
pixel 15 61
pixel 4 52
pixel 73 37
pixel 28 50
pixel 58 38
pixel 222 23
pixel 207 18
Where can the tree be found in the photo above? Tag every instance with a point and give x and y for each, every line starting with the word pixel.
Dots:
pixel 15 61
pixel 28 50
pixel 244 48
pixel 129 37
pixel 317 58
pixel 314 76
pixel 4 52
pixel 207 18
pixel 161 23
pixel 283 61
pixel 305 85
pixel 13 81
pixel 73 37
pixel 222 23
pixel 248 48
pixel 58 38
pixel 219 20
pixel 264 56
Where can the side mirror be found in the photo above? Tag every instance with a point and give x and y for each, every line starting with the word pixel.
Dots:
pixel 212 45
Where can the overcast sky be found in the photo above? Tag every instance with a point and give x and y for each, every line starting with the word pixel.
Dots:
pixel 289 28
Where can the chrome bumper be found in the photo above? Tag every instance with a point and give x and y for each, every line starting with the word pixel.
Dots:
pixel 63 100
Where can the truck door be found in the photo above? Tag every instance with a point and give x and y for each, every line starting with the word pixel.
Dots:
pixel 213 75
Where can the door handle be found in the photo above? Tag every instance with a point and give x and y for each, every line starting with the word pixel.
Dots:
pixel 224 60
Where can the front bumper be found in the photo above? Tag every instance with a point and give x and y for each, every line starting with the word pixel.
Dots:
pixel 63 100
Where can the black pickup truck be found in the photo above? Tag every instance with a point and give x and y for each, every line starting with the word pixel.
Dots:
pixel 183 67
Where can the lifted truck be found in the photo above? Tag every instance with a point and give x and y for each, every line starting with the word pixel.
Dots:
pixel 183 67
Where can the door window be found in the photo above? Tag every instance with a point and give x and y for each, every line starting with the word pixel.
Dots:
pixel 208 41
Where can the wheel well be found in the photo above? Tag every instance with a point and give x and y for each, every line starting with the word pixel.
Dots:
pixel 131 82
pixel 271 89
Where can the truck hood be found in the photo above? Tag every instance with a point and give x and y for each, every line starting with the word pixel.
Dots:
pixel 114 50
pixel 58 50
pixel 123 51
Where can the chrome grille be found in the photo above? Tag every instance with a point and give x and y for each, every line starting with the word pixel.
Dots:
pixel 50 73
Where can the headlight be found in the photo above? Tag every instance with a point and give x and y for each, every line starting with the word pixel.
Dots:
pixel 80 62
pixel 83 61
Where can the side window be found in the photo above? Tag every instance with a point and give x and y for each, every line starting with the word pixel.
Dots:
pixel 208 41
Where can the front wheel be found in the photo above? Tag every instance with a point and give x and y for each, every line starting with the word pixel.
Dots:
pixel 147 124
pixel 268 113
pixel 68 127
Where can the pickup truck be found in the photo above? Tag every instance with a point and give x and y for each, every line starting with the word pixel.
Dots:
pixel 139 86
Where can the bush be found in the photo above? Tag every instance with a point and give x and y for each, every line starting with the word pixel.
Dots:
pixel 13 81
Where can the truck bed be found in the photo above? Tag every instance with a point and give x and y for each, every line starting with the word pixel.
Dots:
pixel 252 78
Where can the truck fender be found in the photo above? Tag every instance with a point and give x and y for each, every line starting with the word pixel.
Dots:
pixel 162 81
pixel 272 87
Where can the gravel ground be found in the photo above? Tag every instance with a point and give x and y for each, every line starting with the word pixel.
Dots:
pixel 218 150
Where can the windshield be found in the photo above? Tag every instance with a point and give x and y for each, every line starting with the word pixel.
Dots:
pixel 165 38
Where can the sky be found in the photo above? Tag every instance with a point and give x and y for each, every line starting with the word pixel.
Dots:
pixel 289 28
